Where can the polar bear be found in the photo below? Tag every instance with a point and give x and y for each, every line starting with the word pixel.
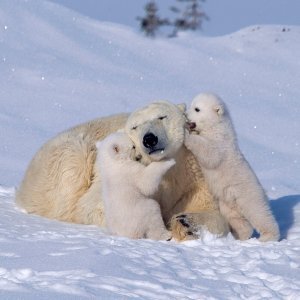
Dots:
pixel 62 182
pixel 230 178
pixel 127 187
pixel 158 131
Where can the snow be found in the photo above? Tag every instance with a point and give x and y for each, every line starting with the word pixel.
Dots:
pixel 224 16
pixel 59 69
pixel 43 259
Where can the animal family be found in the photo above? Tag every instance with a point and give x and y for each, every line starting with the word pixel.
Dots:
pixel 157 175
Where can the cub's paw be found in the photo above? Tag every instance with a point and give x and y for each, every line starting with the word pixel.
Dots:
pixel 167 236
pixel 166 165
pixel 182 228
pixel 269 237
pixel 242 233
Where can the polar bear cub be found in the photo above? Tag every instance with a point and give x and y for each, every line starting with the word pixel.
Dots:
pixel 127 189
pixel 242 199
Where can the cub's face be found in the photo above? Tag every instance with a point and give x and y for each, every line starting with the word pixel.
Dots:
pixel 157 130
pixel 205 111
pixel 117 146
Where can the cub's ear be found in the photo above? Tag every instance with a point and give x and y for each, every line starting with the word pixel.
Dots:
pixel 99 145
pixel 219 109
pixel 182 107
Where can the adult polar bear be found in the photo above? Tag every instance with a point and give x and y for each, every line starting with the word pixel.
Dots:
pixel 62 183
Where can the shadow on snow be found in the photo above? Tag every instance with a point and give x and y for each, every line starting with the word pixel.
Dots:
pixel 283 210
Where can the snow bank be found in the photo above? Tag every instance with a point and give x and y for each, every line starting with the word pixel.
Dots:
pixel 42 258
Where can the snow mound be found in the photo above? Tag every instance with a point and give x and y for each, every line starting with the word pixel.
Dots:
pixel 43 258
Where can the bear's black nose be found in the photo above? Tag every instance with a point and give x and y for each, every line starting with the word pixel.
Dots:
pixel 150 140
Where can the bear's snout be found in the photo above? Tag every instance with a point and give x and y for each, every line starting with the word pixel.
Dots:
pixel 150 140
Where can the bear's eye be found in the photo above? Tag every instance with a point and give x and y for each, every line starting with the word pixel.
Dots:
pixel 197 109
pixel 133 147
pixel 134 127
pixel 163 117
pixel 116 149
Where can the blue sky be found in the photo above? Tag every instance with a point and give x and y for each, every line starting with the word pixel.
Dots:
pixel 226 16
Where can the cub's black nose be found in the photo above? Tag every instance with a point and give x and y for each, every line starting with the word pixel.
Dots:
pixel 191 125
pixel 150 140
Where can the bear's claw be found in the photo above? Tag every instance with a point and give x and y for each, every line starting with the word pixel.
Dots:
pixel 180 216
pixel 184 223
pixel 189 226
pixel 181 228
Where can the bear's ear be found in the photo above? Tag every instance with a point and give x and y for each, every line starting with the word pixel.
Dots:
pixel 182 107
pixel 219 109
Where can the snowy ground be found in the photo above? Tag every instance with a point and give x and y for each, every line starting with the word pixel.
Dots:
pixel 44 259
pixel 59 69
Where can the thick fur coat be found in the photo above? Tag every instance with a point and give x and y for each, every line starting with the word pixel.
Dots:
pixel 127 188
pixel 230 178
pixel 62 182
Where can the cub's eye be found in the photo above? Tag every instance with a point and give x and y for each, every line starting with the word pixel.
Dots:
pixel 197 109
pixel 133 147
pixel 163 117
pixel 134 127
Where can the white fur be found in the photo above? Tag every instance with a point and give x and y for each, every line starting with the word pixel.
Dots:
pixel 242 199
pixel 127 186
pixel 62 182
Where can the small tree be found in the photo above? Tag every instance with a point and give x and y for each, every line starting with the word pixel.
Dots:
pixel 190 18
pixel 151 22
